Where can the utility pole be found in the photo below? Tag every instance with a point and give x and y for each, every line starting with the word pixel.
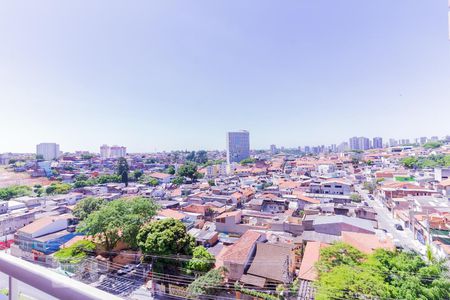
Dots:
pixel 449 19
pixel 286 273
pixel 428 227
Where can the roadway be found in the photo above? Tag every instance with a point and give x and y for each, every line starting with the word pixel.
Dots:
pixel 386 221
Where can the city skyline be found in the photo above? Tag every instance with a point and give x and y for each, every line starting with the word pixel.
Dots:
pixel 178 76
pixel 370 145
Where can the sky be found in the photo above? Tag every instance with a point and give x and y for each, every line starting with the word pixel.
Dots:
pixel 175 75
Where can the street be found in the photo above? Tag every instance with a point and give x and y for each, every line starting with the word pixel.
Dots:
pixel 386 221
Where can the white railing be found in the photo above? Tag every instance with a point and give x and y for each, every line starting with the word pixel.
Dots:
pixel 24 280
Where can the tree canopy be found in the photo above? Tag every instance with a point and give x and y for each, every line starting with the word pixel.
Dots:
pixel 346 273
pixel 432 145
pixel 355 197
pixel 209 283
pixel 76 252
pixel 201 261
pixel 165 237
pixel 178 180
pixel 122 170
pixel 152 182
pixel 14 191
pixel 199 157
pixel 137 174
pixel 422 162
pixel 86 206
pixel 58 188
pixel 117 220
pixel 189 170
pixel 170 170
pixel 247 161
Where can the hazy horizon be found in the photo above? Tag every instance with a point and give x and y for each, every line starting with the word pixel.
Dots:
pixel 170 75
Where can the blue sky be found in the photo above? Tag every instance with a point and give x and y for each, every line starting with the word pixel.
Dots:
pixel 162 75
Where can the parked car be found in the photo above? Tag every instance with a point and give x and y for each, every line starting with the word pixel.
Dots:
pixel 125 269
pixel 399 227
pixel 371 197
pixel 398 245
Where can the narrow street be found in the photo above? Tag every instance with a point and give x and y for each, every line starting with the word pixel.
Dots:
pixel 386 221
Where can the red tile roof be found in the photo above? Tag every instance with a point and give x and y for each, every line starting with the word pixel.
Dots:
pixel 170 213
pixel 159 175
pixel 367 243
pixel 309 259
pixel 240 252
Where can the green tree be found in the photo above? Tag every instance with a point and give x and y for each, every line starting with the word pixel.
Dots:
pixel 208 284
pixel 39 157
pixel 80 184
pixel 409 162
pixel 432 145
pixel 370 186
pixel 191 156
pixel 201 157
pixel 355 197
pixel 58 188
pixel 369 162
pixel 81 177
pixel 86 206
pixel 346 273
pixel 153 182
pixel 122 170
pixel 137 174
pixel 118 220
pixel 347 282
pixel 14 191
pixel 165 237
pixel 189 170
pixel 201 261
pixel 247 161
pixel 150 161
pixel 76 252
pixel 87 156
pixel 178 180
pixel 338 254
pixel 109 178
pixel 170 170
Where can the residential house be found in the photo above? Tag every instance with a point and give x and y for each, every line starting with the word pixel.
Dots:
pixel 271 265
pixel 237 257
pixel 162 177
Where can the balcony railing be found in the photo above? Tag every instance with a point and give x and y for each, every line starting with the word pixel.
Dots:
pixel 20 279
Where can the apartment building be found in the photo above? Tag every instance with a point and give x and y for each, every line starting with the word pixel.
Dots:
pixel 238 146
pixel 48 151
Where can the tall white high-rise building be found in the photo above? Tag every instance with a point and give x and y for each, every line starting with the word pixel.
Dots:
pixel 364 143
pixel 393 142
pixel 354 143
pixel 118 151
pixel 377 142
pixel 105 151
pixel 113 151
pixel 273 149
pixel 238 146
pixel 48 151
pixel 343 147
